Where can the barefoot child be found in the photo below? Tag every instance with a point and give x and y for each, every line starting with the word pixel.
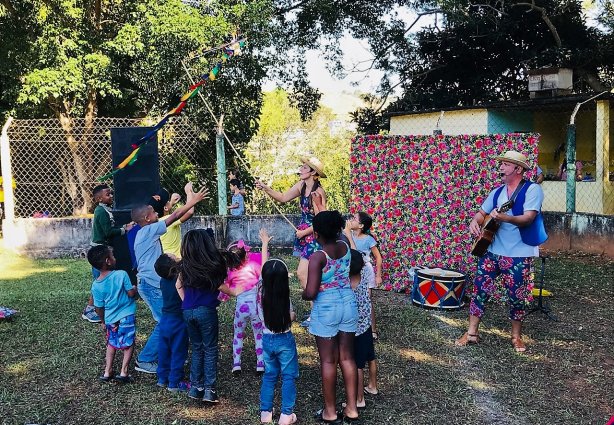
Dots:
pixel 173 346
pixel 280 355
pixel 364 350
pixel 113 295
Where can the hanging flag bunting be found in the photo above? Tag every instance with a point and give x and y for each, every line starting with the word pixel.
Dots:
pixel 228 51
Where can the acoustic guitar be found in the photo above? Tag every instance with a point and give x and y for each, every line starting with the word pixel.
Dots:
pixel 489 228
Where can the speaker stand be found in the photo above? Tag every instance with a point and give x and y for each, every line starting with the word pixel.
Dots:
pixel 541 305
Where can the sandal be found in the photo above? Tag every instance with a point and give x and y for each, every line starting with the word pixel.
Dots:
pixel 518 344
pixel 103 378
pixel 364 406
pixel 370 391
pixel 337 421
pixel 468 339
pixel 375 336
pixel 124 379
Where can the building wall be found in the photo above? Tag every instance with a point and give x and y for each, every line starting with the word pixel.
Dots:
pixel 515 121
pixel 474 121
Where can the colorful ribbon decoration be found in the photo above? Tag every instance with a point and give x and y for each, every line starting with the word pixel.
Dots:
pixel 228 51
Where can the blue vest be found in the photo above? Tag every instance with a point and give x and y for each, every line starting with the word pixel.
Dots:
pixel 535 233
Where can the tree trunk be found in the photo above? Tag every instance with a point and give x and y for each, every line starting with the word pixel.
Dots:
pixel 81 180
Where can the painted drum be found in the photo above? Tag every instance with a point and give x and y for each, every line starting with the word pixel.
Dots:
pixel 439 288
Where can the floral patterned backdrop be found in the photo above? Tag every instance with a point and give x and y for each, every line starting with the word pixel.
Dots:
pixel 422 192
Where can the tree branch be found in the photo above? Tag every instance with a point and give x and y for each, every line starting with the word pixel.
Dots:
pixel 298 5
pixel 542 10
pixel 385 49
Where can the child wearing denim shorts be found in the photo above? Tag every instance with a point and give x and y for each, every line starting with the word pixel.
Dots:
pixel 113 295
pixel 334 315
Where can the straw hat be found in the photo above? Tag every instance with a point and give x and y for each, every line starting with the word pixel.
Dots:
pixel 315 165
pixel 515 158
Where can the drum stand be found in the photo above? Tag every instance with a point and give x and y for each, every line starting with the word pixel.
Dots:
pixel 541 306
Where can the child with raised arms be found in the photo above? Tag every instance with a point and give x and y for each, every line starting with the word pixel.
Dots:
pixel 242 281
pixel 280 354
pixel 203 270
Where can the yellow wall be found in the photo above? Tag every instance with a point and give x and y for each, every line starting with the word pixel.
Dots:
pixel 473 121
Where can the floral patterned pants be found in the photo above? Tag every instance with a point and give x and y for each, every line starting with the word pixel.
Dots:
pixel 516 276
pixel 244 312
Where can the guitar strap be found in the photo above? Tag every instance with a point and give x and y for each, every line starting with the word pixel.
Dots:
pixel 514 195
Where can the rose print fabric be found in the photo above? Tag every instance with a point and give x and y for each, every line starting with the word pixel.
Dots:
pixel 422 192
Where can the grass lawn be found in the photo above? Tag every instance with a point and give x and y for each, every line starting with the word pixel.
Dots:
pixel 50 359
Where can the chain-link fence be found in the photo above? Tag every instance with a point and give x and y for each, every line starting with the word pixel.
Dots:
pixel 549 117
pixel 55 167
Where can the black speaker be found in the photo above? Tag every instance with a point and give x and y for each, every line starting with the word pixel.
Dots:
pixel 120 245
pixel 134 184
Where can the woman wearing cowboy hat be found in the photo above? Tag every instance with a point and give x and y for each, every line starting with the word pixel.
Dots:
pixel 510 254
pixel 312 201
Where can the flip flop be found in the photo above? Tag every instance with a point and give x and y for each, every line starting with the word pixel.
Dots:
pixel 357 406
pixel 337 421
pixel 370 392
pixel 124 379
pixel 103 378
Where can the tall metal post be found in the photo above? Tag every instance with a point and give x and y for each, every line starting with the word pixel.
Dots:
pixel 222 197
pixel 7 172
pixel 570 187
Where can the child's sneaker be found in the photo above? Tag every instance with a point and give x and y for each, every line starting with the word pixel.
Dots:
pixel 182 387
pixel 90 315
pixel 196 393
pixel 236 371
pixel 266 417
pixel 210 396
pixel 287 419
pixel 161 384
pixel 146 367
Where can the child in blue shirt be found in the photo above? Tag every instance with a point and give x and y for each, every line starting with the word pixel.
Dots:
pixel 173 346
pixel 113 295
pixel 238 203
pixel 148 248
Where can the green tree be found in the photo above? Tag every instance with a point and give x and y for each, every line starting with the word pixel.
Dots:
pixel 74 60
pixel 273 153
pixel 477 52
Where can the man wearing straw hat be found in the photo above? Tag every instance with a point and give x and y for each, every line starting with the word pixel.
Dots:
pixel 510 254
pixel 312 201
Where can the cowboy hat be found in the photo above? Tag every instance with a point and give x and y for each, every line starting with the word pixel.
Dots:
pixel 315 164
pixel 515 158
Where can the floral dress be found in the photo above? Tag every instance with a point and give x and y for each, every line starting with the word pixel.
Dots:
pixel 307 245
